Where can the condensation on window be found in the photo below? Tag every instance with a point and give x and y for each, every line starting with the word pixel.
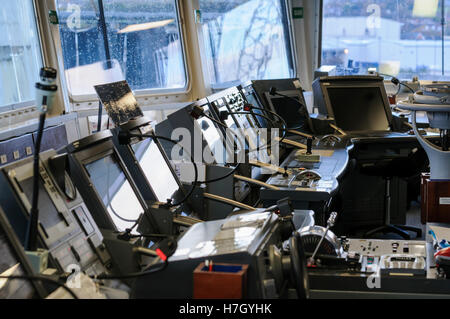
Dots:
pixel 142 44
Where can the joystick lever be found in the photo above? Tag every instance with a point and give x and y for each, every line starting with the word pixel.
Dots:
pixel 330 223
pixel 309 146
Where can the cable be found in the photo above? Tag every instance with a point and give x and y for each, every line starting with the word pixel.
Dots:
pixel 132 275
pixel 32 231
pixel 42 278
pixel 397 82
pixel 108 197
pixel 215 121
pixel 45 91
pixel 285 127
pixel 171 246
pixel 304 109
pixel 149 235
pixel 267 118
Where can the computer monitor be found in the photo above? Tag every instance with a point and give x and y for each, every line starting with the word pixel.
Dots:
pixel 287 107
pixel 156 169
pixel 356 103
pixel 294 114
pixel 66 227
pixel 13 262
pixel 147 162
pixel 114 188
pixel 104 182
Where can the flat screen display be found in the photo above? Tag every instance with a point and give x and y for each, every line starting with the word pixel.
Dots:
pixel 116 192
pixel 156 169
pixel 358 108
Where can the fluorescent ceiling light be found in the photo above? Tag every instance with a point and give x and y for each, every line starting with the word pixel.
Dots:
pixel 425 8
pixel 145 26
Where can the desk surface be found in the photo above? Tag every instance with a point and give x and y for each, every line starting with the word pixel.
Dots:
pixel 332 165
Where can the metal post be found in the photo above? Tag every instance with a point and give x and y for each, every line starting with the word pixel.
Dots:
pixel 102 26
pixel 443 34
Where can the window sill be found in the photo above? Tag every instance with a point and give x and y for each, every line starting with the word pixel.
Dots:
pixel 31 125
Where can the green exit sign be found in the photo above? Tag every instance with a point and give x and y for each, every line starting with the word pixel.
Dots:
pixel 297 12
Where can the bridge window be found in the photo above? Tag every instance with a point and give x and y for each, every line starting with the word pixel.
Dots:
pixel 401 38
pixel 106 41
pixel 246 40
pixel 20 57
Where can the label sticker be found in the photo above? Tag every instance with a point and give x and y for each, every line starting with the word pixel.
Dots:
pixel 16 155
pixel 3 159
pixel 444 200
pixel 297 12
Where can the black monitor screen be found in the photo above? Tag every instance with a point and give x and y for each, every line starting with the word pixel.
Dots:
pixel 358 108
pixel 289 110
pixel 10 265
pixel 116 192
pixel 156 169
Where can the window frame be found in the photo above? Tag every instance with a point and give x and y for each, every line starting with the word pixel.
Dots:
pixel 87 99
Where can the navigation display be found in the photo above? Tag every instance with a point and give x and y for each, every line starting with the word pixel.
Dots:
pixel 116 192
pixel 156 169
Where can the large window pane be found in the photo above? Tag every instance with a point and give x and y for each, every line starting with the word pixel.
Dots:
pixel 20 57
pixel 246 40
pixel 399 37
pixel 143 44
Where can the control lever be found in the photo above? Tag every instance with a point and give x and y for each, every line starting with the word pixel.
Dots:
pixel 285 174
pixel 330 223
pixel 309 146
